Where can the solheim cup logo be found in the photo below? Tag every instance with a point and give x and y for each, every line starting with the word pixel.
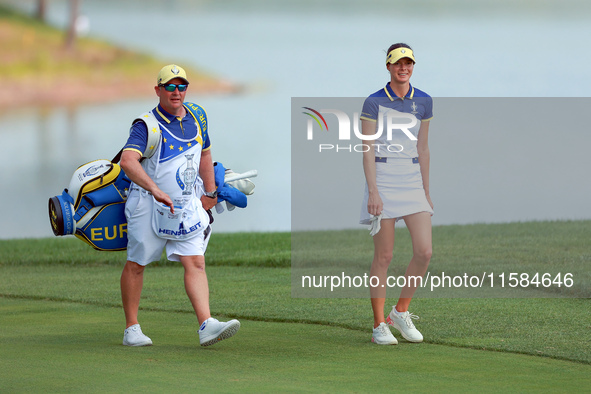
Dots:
pixel 394 120
pixel 186 178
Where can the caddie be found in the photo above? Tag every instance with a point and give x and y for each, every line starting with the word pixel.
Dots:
pixel 168 159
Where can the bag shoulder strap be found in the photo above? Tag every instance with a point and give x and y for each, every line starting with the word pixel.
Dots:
pixel 153 135
pixel 153 132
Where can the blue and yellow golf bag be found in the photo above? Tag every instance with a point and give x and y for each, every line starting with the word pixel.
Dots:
pixel 93 206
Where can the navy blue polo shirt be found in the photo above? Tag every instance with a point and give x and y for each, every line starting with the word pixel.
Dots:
pixel 184 128
pixel 415 102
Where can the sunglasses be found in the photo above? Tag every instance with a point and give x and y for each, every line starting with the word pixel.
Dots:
pixel 170 87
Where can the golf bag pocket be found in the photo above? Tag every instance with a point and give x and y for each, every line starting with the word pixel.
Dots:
pixel 106 228
pixel 185 223
pixel 61 214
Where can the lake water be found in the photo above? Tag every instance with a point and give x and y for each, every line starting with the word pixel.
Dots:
pixel 285 49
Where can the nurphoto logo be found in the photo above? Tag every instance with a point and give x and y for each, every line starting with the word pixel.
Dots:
pixel 393 119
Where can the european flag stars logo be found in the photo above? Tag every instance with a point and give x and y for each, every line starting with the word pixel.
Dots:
pixel 174 148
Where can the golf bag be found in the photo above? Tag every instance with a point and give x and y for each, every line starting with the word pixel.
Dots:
pixel 93 206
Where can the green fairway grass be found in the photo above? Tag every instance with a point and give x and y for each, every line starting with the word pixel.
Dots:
pixel 61 322
pixel 242 249
pixel 549 248
pixel 558 328
pixel 50 346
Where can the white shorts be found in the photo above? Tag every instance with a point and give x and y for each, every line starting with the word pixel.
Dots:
pixel 143 245
pixel 400 185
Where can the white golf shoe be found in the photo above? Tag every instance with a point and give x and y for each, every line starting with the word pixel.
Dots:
pixel 383 336
pixel 403 323
pixel 212 331
pixel 133 336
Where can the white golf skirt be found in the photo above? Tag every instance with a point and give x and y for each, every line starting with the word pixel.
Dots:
pixel 400 185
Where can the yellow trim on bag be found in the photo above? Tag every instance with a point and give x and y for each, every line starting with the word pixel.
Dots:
pixel 105 179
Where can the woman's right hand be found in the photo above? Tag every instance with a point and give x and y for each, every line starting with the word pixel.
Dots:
pixel 374 204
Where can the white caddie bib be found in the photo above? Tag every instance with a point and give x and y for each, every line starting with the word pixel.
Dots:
pixel 185 223
pixel 174 167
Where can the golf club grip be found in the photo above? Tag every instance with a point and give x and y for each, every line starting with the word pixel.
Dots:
pixel 237 177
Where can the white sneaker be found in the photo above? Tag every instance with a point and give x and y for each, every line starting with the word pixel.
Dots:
pixel 133 336
pixel 383 336
pixel 212 331
pixel 403 323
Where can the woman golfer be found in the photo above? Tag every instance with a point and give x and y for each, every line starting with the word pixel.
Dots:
pixel 395 125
